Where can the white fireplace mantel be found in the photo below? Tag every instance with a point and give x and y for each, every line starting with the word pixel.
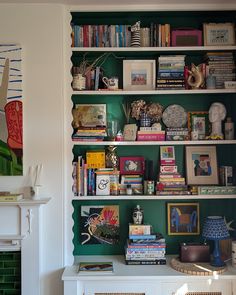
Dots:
pixel 20 230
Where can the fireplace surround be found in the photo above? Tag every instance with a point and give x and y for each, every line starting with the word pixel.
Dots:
pixel 20 231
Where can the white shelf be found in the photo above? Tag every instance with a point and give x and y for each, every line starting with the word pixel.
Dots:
pixel 155 143
pixel 154 197
pixel 26 202
pixel 134 272
pixel 153 92
pixel 154 49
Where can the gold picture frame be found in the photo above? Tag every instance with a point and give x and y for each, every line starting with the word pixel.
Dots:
pixel 139 74
pixel 199 122
pixel 201 165
pixel 219 34
pixel 183 219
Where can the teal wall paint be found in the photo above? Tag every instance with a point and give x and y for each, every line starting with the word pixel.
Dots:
pixel 155 210
pixel 155 213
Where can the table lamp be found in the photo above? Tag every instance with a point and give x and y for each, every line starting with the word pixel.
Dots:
pixel 215 229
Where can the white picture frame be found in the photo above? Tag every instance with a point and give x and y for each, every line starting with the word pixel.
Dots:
pixel 219 34
pixel 139 74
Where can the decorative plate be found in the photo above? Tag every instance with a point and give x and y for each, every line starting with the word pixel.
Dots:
pixel 174 116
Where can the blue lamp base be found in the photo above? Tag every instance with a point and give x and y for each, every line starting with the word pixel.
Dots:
pixel 217 261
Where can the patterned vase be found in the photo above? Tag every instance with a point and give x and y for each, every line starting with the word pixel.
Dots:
pixel 145 121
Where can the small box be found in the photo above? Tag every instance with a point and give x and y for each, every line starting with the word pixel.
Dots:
pixel 168 169
pixel 190 252
pixel 95 159
pixel 102 185
pixel 140 229
pixel 186 37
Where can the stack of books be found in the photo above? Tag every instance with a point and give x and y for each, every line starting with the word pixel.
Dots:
pixel 150 134
pixel 222 66
pixel 170 181
pixel 90 134
pixel 10 197
pixel 171 72
pixel 145 248
pixel 177 133
pixel 136 182
pixel 172 184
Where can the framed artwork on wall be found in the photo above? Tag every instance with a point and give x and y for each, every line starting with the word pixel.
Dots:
pixel 216 34
pixel 201 165
pixel 139 74
pixel 99 224
pixel 183 218
pixel 11 110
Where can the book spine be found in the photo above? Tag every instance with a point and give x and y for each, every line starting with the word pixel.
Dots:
pixel 146 262
pixel 155 137
pixel 10 198
pixel 141 237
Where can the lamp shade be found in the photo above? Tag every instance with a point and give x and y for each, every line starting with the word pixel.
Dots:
pixel 215 228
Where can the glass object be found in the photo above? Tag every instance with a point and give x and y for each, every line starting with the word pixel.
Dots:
pixel 112 129
pixel 229 129
pixel 112 160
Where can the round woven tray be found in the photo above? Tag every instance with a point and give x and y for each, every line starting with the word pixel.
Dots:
pixel 197 269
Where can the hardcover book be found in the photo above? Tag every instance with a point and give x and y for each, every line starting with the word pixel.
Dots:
pixel 96 268
pixel 10 197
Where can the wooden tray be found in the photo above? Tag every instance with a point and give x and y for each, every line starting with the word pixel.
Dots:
pixel 197 269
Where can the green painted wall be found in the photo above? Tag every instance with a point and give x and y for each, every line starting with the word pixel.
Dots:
pixel 10 273
pixel 155 210
pixel 155 213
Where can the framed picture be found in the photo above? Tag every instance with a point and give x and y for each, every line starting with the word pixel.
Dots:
pixel 183 218
pixel 167 155
pixel 132 165
pixel 139 74
pixel 201 165
pixel 99 225
pixel 89 115
pixel 216 34
pixel 199 122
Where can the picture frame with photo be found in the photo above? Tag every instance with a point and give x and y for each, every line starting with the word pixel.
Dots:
pixel 167 155
pixel 183 219
pixel 217 34
pixel 89 115
pixel 139 74
pixel 132 165
pixel 199 122
pixel 201 165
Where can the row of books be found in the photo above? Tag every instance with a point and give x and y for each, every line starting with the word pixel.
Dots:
pixel 221 65
pixel 101 35
pixel 119 35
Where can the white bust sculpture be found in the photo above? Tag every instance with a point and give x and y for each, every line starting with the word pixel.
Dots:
pixel 217 114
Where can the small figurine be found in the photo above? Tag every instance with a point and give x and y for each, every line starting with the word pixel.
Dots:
pixel 112 159
pixel 217 114
pixel 137 215
pixel 195 78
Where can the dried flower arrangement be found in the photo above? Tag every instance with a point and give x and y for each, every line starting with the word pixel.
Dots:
pixel 152 109
pixel 86 65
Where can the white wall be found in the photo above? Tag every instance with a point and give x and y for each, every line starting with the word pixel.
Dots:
pixel 39 29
